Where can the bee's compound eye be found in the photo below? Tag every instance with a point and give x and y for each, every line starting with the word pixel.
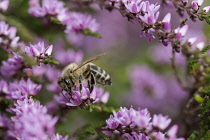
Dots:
pixel 66 81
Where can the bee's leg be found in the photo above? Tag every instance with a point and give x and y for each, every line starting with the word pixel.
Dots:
pixel 64 96
pixel 91 82
pixel 80 83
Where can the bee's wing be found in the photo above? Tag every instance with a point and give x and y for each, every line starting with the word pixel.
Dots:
pixel 89 60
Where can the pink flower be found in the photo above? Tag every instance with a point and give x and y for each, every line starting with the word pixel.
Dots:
pixel 39 50
pixel 4 5
pixel 166 22
pixel 133 6
pixel 180 32
pixel 161 121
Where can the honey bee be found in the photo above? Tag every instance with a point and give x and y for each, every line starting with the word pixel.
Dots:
pixel 73 75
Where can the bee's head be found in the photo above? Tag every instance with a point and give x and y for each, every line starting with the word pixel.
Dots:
pixel 66 82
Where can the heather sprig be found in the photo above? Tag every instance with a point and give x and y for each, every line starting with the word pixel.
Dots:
pixel 29 113
pixel 84 98
pixel 55 11
pixel 192 8
pixel 132 124
pixel 19 90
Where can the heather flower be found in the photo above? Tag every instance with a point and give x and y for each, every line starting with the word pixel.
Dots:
pixel 133 6
pixel 180 32
pixel 8 38
pixel 58 137
pixel 3 87
pixel 206 9
pixel 31 120
pixel 11 66
pixel 4 120
pixel 161 121
pixel 166 22
pixel 149 34
pixel 22 89
pixel 39 50
pixel 163 55
pixel 151 13
pixel 195 5
pixel 67 56
pixel 85 97
pixel 4 5
pixel 77 22
pixel 199 2
pixel 137 124
pixel 36 70
pixel 47 7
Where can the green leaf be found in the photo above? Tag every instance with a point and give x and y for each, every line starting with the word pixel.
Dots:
pixel 50 60
pixel 198 98
pixel 91 131
pixel 89 33
pixel 105 137
pixel 193 65
pixel 194 136
pixel 205 49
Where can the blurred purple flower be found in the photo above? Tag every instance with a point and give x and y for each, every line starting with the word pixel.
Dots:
pixel 29 113
pixel 8 37
pixel 22 89
pixel 67 56
pixel 39 50
pixel 163 55
pixel 11 66
pixel 36 70
pixel 154 91
pixel 161 121
pixel 77 22
pixel 4 88
pixel 206 9
pixel 58 137
pixel 47 7
pixel 133 6
pixel 4 121
pixel 4 5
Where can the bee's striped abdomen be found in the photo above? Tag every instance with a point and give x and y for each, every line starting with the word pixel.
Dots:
pixel 100 75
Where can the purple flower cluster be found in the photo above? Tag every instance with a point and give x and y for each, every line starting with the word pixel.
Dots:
pixel 31 121
pixel 155 92
pixel 74 22
pixel 4 5
pixel 8 38
pixel 85 97
pixel 139 124
pixel 12 65
pixel 39 50
pixel 67 56
pixel 19 90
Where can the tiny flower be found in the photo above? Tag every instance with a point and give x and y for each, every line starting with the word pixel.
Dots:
pixel 200 46
pixel 105 97
pixel 39 50
pixel 149 34
pixel 199 2
pixel 4 5
pixel 192 40
pixel 172 131
pixel 3 87
pixel 133 6
pixel 180 32
pixel 11 66
pixel 166 22
pixel 206 9
pixel 195 5
pixel 58 137
pixel 161 121
pixel 31 120
pixel 112 122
